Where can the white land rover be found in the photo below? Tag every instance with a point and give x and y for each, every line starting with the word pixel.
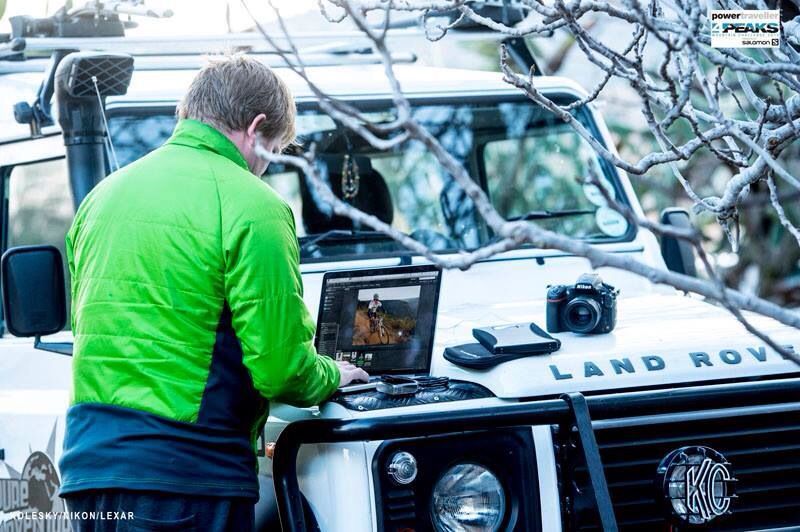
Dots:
pixel 677 418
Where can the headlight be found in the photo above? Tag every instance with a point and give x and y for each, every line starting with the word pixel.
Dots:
pixel 468 498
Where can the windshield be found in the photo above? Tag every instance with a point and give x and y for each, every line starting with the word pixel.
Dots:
pixel 532 166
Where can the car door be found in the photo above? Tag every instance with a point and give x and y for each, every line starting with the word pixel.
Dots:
pixel 36 208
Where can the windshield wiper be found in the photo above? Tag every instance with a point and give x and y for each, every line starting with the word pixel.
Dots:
pixel 342 234
pixel 547 215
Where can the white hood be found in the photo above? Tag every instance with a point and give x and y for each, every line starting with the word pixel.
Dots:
pixel 659 339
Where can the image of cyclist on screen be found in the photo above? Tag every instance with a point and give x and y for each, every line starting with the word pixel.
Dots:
pixel 375 306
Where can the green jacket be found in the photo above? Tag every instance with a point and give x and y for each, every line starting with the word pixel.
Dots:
pixel 188 312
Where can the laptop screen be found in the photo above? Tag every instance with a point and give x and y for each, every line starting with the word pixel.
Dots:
pixel 382 320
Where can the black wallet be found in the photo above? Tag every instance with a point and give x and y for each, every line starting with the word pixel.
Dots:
pixel 475 356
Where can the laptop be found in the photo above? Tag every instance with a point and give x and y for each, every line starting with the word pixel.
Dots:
pixel 379 319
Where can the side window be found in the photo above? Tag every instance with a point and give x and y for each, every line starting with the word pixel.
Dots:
pixel 135 135
pixel 40 207
pixel 286 183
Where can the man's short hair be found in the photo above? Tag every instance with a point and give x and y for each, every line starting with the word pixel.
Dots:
pixel 231 90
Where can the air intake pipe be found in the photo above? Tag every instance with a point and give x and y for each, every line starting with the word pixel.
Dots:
pixel 83 80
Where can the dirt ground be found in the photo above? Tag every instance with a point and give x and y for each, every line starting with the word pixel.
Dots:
pixel 362 335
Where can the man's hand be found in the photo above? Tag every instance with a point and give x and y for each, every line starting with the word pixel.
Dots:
pixel 349 373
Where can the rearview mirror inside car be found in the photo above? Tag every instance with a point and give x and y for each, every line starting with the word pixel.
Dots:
pixel 34 296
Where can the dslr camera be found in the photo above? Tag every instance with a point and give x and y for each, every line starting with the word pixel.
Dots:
pixel 588 307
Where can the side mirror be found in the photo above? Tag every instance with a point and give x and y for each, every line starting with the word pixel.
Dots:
pixel 34 297
pixel 678 254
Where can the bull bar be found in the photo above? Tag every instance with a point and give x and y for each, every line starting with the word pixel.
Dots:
pixel 570 409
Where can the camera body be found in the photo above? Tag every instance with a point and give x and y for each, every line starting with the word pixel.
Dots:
pixel 588 307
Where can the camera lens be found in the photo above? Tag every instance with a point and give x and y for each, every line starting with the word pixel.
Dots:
pixel 582 314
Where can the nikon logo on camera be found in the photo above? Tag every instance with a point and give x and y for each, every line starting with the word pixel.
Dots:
pixel 745 28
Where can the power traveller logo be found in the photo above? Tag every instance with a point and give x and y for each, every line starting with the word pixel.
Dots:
pixel 745 29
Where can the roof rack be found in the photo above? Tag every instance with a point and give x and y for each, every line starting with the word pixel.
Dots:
pixel 347 42
pixel 38 45
pixel 184 54
pixel 31 47
pixel 27 55
pixel 189 62
pixel 97 26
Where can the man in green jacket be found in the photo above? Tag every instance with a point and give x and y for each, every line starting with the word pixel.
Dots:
pixel 188 316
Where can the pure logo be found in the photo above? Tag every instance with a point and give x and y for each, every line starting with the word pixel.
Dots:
pixel 697 484
pixel 32 490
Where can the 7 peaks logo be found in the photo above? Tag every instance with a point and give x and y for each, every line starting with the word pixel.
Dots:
pixel 745 28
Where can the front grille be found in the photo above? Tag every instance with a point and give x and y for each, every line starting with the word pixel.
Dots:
pixel 400 506
pixel 762 445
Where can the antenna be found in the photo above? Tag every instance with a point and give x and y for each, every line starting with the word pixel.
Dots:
pixel 109 142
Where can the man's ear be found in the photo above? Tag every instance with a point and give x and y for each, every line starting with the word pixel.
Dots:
pixel 255 124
